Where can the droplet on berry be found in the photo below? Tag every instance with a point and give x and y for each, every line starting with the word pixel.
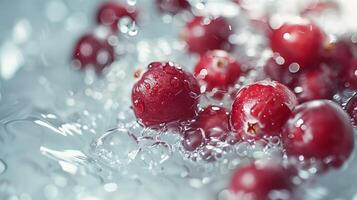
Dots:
pixel 203 34
pixel 218 69
pixel 261 109
pixel 91 51
pixel 166 93
pixel 319 130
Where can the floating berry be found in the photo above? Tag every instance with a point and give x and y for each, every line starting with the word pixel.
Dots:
pixel 265 181
pixel 318 83
pixel 165 93
pixel 299 43
pixel 172 6
pixel 91 51
pixel 110 13
pixel 319 130
pixel 203 34
pixel 351 109
pixel 217 69
pixel 261 109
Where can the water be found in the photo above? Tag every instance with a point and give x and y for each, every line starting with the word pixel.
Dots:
pixel 66 134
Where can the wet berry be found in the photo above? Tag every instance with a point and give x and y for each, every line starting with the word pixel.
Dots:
pixel 261 109
pixel 91 51
pixel 109 14
pixel 192 139
pixel 319 130
pixel 351 109
pixel 278 72
pixel 214 121
pixel 349 74
pixel 217 69
pixel 299 43
pixel 263 181
pixel 165 93
pixel 172 6
pixel 204 34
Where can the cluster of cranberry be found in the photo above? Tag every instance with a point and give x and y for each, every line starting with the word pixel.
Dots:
pixel 291 103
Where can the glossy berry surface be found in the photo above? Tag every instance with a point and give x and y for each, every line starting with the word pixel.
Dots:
pixel 261 109
pixel 110 13
pixel 349 74
pixel 299 43
pixel 204 34
pixel 91 51
pixel 218 69
pixel 338 54
pixel 165 93
pixel 318 83
pixel 320 130
pixel 351 109
pixel 172 6
pixel 266 181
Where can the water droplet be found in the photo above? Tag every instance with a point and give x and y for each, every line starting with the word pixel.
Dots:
pixel 139 106
pixel 3 167
pixel 128 26
pixel 175 82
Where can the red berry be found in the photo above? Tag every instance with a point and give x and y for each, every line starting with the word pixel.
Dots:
pixel 165 93
pixel 266 181
pixel 192 139
pixel 278 72
pixel 218 69
pixel 315 84
pixel 319 130
pixel 204 34
pixel 91 51
pixel 110 13
pixel 351 109
pixel 214 121
pixel 172 6
pixel 338 54
pixel 261 109
pixel 299 43
pixel 349 74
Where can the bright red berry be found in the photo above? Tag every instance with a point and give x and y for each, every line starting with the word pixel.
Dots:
pixel 318 83
pixel 299 43
pixel 351 109
pixel 261 109
pixel 319 130
pixel 218 69
pixel 110 13
pixel 263 181
pixel 349 74
pixel 203 34
pixel 165 93
pixel 172 6
pixel 91 51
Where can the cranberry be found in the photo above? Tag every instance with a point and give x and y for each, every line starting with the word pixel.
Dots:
pixel 278 72
pixel 91 51
pixel 349 74
pixel 351 109
pixel 263 181
pixel 314 84
pixel 165 93
pixel 261 109
pixel 110 13
pixel 218 69
pixel 192 139
pixel 172 6
pixel 319 130
pixel 204 34
pixel 299 43
pixel 214 121
pixel 338 54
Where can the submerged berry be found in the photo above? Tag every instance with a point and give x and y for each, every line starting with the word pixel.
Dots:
pixel 351 109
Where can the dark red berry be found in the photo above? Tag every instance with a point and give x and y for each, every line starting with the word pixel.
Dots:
pixel 278 72
pixel 172 6
pixel 261 109
pixel 351 109
pixel 203 34
pixel 318 83
pixel 337 55
pixel 218 69
pixel 299 43
pixel 165 93
pixel 263 181
pixel 91 51
pixel 349 74
pixel 192 139
pixel 319 130
pixel 110 13
pixel 214 121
